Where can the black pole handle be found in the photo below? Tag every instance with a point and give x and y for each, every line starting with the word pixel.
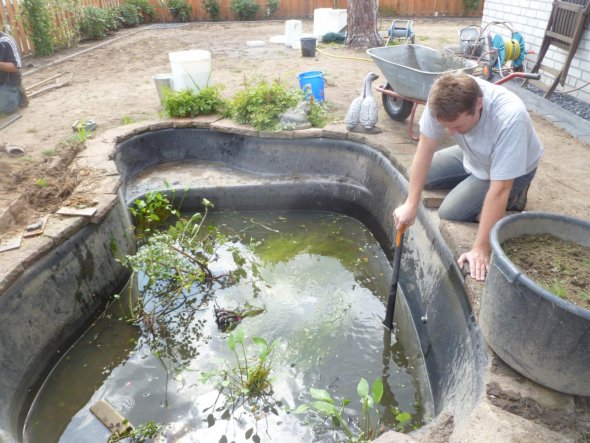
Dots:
pixel 399 238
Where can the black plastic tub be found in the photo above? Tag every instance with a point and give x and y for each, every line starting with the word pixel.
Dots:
pixel 44 310
pixel 540 335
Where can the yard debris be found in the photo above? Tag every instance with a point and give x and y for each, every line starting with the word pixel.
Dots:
pixel 14 150
pixel 36 228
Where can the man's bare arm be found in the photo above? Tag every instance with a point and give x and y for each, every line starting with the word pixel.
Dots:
pixel 494 208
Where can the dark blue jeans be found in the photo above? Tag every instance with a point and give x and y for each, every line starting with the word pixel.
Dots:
pixel 9 99
pixel 465 200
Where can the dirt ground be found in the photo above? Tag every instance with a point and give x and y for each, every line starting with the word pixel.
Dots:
pixel 110 82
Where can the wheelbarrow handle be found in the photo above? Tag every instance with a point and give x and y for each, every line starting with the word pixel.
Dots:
pixel 524 75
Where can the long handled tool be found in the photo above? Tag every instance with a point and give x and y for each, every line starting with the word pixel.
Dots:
pixel 399 238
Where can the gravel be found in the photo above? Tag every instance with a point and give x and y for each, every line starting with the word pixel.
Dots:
pixel 567 102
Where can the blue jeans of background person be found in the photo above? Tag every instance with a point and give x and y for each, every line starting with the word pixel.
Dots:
pixel 9 99
pixel 465 201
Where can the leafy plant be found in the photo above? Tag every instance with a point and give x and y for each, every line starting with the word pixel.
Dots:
pixel 470 6
pixel 213 9
pixel 369 425
pixel 249 379
pixel 66 32
pixel 261 104
pixel 138 434
pixel 128 15
pixel 41 26
pixel 127 120
pixel 189 103
pixel 41 183
pixel 96 23
pixel 152 211
pixel 174 263
pixel 144 8
pixel 244 9
pixel 271 7
pixel 180 10
pixel 319 113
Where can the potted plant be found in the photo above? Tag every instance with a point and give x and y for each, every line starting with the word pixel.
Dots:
pixel 531 325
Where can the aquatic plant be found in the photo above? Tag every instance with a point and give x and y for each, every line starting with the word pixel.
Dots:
pixel 247 379
pixel 369 426
pixel 176 280
pixel 153 210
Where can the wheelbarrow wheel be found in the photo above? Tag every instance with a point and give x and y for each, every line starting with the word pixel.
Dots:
pixel 397 108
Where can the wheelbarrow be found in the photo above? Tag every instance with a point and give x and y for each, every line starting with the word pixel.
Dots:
pixel 411 70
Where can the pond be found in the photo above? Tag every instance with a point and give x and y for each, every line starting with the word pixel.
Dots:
pixel 323 284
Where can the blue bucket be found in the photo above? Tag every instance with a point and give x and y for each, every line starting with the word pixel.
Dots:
pixel 312 83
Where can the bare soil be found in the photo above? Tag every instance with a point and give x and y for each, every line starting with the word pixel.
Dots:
pixel 562 267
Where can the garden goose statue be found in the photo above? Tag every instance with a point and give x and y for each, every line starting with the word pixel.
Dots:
pixel 362 113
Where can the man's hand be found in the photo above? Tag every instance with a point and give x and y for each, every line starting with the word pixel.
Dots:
pixel 479 263
pixel 404 215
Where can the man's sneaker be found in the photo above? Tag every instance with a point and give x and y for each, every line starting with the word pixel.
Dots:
pixel 518 203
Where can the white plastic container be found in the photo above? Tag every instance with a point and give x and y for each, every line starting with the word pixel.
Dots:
pixel 293 29
pixel 190 69
pixel 163 83
pixel 328 20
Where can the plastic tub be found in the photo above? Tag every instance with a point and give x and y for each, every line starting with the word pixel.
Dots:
pixel 312 84
pixel 328 20
pixel 190 69
pixel 540 335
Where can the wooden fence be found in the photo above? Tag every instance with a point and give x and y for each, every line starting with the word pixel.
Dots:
pixel 11 20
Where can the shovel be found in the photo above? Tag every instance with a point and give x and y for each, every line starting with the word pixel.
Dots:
pixel 399 238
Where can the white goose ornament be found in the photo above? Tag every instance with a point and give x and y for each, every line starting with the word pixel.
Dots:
pixel 362 114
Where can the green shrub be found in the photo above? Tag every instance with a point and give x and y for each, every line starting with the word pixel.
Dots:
pixel 189 103
pixel 113 18
pixel 244 9
pixel 213 9
pixel 271 7
pixel 40 24
pixel 260 105
pixel 181 11
pixel 144 8
pixel 129 15
pixel 96 23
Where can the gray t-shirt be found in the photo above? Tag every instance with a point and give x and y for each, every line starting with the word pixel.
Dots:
pixel 503 145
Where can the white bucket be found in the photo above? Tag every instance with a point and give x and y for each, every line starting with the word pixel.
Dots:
pixel 328 20
pixel 190 69
pixel 293 29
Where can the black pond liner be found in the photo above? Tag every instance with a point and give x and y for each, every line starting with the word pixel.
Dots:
pixel 47 308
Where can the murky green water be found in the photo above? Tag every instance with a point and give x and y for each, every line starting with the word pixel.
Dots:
pixel 325 279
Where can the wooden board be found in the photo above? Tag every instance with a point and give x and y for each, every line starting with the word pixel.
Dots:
pixel 11 243
pixel 109 417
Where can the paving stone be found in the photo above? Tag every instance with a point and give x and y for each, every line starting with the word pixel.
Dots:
pixel 229 126
pixel 105 184
pixel 308 133
pixel 158 126
pixel 276 134
pixel 337 131
pixel 105 203
pixel 60 228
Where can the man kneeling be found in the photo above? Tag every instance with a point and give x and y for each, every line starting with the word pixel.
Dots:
pixel 489 170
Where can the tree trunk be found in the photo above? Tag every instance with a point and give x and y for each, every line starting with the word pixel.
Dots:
pixel 361 24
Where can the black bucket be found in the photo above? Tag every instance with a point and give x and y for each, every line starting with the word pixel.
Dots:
pixel 308 46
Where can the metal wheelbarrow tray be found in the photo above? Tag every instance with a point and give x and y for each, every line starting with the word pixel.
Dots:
pixel 410 71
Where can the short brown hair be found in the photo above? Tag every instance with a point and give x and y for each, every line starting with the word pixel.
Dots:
pixel 453 94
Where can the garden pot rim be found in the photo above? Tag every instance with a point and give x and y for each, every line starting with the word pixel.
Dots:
pixel 519 277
